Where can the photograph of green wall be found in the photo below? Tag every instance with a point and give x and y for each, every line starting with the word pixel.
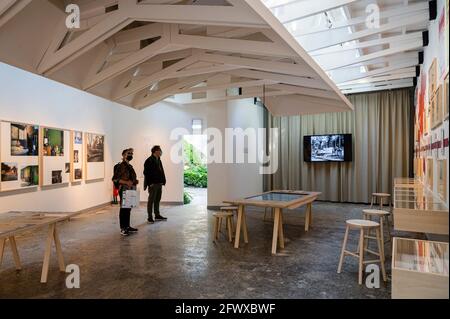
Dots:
pixel 24 140
pixel 9 172
pixel 53 142
pixel 29 176
pixel 95 147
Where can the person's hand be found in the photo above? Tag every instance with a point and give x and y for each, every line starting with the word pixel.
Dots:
pixel 130 184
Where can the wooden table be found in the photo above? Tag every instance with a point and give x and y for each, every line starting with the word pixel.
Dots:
pixel 277 200
pixel 15 223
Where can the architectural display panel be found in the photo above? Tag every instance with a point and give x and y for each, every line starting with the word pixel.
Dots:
pixel 446 97
pixel 19 150
pixel 77 158
pixel 95 156
pixel 55 156
pixel 442 178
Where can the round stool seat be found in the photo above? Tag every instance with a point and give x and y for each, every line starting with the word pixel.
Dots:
pixel 223 214
pixel 362 223
pixel 375 212
pixel 229 208
pixel 381 194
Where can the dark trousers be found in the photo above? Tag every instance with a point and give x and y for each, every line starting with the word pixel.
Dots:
pixel 154 197
pixel 124 214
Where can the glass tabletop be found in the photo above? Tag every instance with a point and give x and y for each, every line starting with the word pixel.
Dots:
pixel 276 196
pixel 421 255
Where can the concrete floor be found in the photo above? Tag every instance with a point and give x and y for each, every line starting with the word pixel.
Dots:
pixel 177 258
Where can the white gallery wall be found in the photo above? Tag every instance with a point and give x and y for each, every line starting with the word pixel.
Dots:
pixel 28 98
pixel 154 125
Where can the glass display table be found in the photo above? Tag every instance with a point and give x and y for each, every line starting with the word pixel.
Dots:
pixel 420 269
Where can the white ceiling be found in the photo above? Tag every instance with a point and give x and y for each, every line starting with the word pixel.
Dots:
pixel 359 57
pixel 140 52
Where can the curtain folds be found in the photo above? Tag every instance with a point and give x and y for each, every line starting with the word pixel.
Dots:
pixel 380 126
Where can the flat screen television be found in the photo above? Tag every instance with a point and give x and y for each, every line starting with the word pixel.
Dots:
pixel 327 148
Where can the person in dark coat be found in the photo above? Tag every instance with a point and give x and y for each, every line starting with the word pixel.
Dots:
pixel 125 178
pixel 155 179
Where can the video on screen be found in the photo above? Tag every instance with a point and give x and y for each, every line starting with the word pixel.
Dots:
pixel 327 148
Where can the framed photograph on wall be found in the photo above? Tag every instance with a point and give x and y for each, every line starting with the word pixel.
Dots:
pixel 95 156
pixel 439 106
pixel 432 79
pixel 19 155
pixel 446 98
pixel 433 112
pixel 55 156
pixel 430 173
pixel 442 178
pixel 77 156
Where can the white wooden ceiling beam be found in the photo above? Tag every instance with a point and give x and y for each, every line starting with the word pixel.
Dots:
pixel 262 65
pixel 413 45
pixel 102 54
pixel 304 91
pixel 405 57
pixel 193 14
pixel 281 78
pixel 377 84
pixel 396 24
pixel 136 86
pixel 9 8
pixel 53 61
pixel 234 97
pixel 301 9
pixel 123 65
pixel 5 5
pixel 240 84
pixel 383 78
pixel 366 44
pixel 149 31
pixel 231 45
pixel 202 70
pixel 400 12
pixel 386 86
pixel 386 70
pixel 230 32
pixel 147 98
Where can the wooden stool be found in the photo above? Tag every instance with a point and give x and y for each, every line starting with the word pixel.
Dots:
pixel 230 209
pixel 363 225
pixel 383 216
pixel 382 197
pixel 228 216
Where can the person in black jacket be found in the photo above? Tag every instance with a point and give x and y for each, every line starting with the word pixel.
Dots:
pixel 154 180
pixel 125 179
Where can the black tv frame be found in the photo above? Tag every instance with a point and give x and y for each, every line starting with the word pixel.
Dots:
pixel 348 150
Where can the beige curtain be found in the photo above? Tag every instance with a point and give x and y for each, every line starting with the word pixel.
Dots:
pixel 381 148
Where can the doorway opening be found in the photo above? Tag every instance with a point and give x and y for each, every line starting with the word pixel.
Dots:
pixel 195 169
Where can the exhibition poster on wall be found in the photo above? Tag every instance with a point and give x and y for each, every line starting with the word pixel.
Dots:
pixel 442 29
pixel 55 156
pixel 77 160
pixel 19 156
pixel 95 156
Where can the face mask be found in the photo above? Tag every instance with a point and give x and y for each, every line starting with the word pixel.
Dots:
pixel 129 157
